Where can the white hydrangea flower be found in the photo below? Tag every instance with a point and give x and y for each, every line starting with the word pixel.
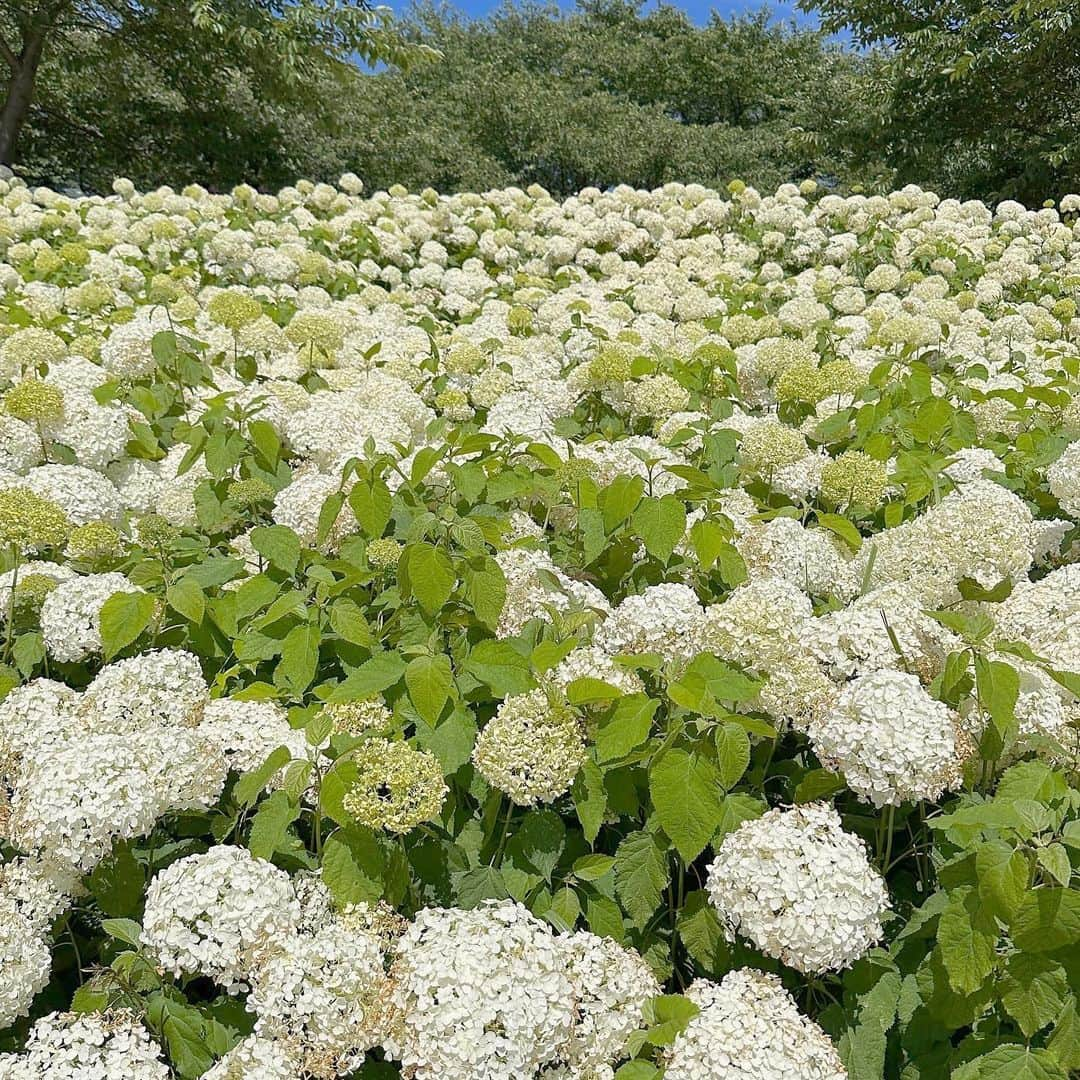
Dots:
pixel 259 1058
pixel 749 1028
pixel 326 991
pixel 27 962
pixel 800 888
pixel 479 995
pixel 165 687
pixel 891 740
pixel 212 914
pixel 664 619
pixel 1063 479
pixel 87 1046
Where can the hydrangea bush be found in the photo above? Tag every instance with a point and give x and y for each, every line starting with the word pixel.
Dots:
pixel 483 637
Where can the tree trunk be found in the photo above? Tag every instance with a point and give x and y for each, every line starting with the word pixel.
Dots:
pixel 20 93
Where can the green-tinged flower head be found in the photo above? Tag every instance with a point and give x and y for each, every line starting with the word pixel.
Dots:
pixel 1070 419
pixel 490 386
pixel 30 592
pixel 34 401
pixel 519 320
pixel 771 445
pixel 357 717
pixel 532 748
pixel 736 187
pixel 802 381
pixel 75 254
pixel 1064 310
pixel 396 788
pixel 163 289
pixel 612 364
pixel 773 358
pixel 383 554
pixel 94 540
pixel 31 347
pixel 854 479
pixel 317 330
pixel 572 471
pixel 454 405
pixel 155 532
pixel 250 492
pixel 30 522
pixel 47 262
pixel 90 296
pixel 658 396
pixel 740 329
pixel 88 345
pixel 842 377
pixel 234 309
pixel 465 358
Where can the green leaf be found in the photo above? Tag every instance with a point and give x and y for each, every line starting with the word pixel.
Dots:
pixel 707 538
pixel 186 597
pixel 732 754
pixel 618 499
pixel 1048 919
pixel 279 545
pixel 347 621
pixel 1012 1062
pixel 967 938
pixel 251 784
pixel 501 667
pixel 485 589
pixel 430 576
pixel 126 930
pixel 451 741
pixel 538 841
pixel 702 933
pixel 841 527
pixel 353 866
pixel 641 875
pixel 590 798
pixel 371 677
pixel 626 727
pixel 1054 859
pixel 593 867
pixel 299 659
pixel 371 505
pixel 429 680
pixel 271 824
pixel 1034 991
pixel 686 791
pixel 124 616
pixel 589 691
pixel 661 524
pixel 1003 877
pixel 117 883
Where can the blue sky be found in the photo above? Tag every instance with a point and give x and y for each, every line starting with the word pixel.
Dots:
pixel 698 10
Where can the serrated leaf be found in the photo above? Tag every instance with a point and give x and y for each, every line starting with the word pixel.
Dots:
pixel 371 504
pixel 353 866
pixel 270 824
pixel 641 875
pixel 1034 991
pixel 501 667
pixel 371 677
pixel 1012 1062
pixel 732 754
pixel 279 545
pixel 186 597
pixel 626 727
pixel 124 616
pixel 661 524
pixel 429 680
pixel 686 792
pixel 1048 919
pixel 430 575
pixel 967 938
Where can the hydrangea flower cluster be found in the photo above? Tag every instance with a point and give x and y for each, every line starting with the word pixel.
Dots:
pixel 800 888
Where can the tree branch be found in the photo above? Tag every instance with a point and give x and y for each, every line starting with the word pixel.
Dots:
pixel 8 54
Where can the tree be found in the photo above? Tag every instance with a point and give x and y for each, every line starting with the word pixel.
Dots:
pixel 982 95
pixel 274 44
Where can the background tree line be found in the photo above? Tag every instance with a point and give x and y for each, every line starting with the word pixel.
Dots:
pixel 975 99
